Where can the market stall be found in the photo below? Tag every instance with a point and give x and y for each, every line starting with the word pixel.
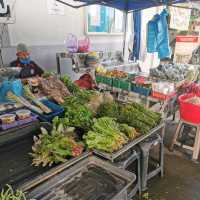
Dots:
pixel 63 139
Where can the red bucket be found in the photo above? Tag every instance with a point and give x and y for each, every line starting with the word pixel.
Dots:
pixel 189 112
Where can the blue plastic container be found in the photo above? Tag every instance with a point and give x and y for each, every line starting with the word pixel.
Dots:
pixel 141 90
pixel 56 111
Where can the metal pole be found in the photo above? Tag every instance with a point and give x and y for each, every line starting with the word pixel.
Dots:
pixel 125 32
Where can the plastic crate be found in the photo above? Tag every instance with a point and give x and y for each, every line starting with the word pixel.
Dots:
pixel 116 83
pixel 56 111
pixel 124 85
pixel 162 96
pixel 189 112
pixel 99 79
pixel 141 90
pixel 107 80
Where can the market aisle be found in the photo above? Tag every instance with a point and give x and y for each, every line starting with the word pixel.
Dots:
pixel 182 177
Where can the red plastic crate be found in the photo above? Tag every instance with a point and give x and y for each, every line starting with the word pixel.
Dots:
pixel 189 112
pixel 162 96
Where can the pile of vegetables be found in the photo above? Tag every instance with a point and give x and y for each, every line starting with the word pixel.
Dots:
pixel 171 72
pixel 108 135
pixel 83 105
pixel 135 115
pixel 82 95
pixel 77 113
pixel 142 119
pixel 105 135
pixel 10 194
pixel 54 147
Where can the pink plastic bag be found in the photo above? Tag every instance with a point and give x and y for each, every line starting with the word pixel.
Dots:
pixel 72 43
pixel 84 45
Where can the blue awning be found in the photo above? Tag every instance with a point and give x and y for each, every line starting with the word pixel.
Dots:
pixel 129 5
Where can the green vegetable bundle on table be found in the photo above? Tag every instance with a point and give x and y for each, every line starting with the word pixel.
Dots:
pixel 82 95
pixel 77 113
pixel 10 194
pixel 109 136
pixel 135 115
pixel 54 147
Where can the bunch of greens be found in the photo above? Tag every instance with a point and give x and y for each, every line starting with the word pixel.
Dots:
pixel 54 147
pixel 138 117
pixel 10 194
pixel 77 113
pixel 105 135
pixel 135 115
pixel 111 109
pixel 83 96
pixel 130 132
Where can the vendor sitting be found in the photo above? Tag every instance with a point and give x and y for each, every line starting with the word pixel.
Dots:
pixel 29 67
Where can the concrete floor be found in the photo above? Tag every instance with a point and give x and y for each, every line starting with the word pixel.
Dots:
pixel 182 176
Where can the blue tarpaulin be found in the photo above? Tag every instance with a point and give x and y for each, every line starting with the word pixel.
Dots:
pixel 131 5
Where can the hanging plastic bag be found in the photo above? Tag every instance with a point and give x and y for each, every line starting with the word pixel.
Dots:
pixel 72 43
pixel 84 45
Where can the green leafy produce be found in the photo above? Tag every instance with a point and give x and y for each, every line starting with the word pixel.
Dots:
pixel 83 96
pixel 10 194
pixel 78 114
pixel 108 109
pixel 54 147
pixel 155 116
pixel 70 85
pixel 105 135
pixel 137 116
pixel 130 132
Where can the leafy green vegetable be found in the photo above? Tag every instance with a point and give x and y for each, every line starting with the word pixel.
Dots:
pixel 82 96
pixel 77 114
pixel 54 147
pixel 10 194
pixel 130 132
pixel 105 135
pixel 70 85
pixel 135 115
pixel 108 109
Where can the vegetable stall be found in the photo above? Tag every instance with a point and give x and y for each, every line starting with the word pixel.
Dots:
pixel 61 139
pixel 88 122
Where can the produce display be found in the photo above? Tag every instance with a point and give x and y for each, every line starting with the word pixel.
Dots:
pixel 189 88
pixel 116 74
pixel 135 115
pixel 110 109
pixel 143 120
pixel 10 194
pixel 54 88
pixel 23 101
pixel 29 95
pixel 105 135
pixel 54 147
pixel 77 113
pixel 83 96
pixel 171 72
